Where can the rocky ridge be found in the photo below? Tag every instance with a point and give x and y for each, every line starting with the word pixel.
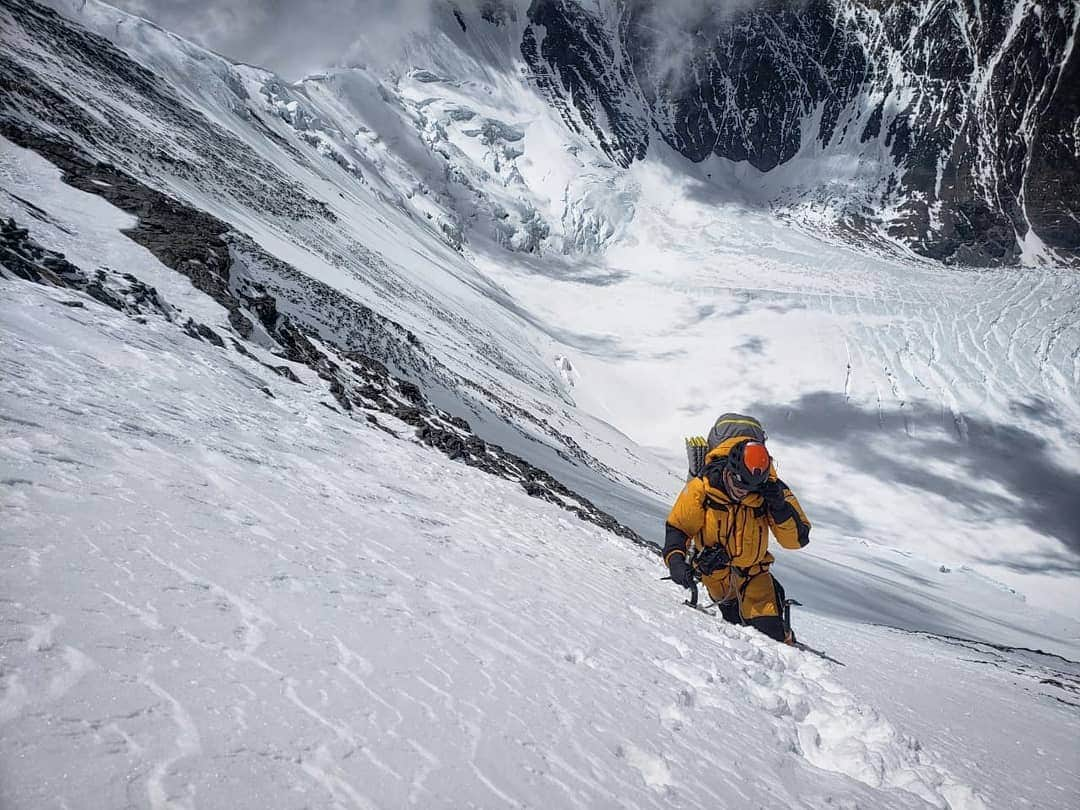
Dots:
pixel 219 262
pixel 206 134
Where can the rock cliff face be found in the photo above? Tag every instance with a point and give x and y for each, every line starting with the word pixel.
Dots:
pixel 741 86
pixel 959 120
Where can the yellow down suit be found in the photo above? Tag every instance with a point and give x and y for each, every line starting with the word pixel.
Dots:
pixel 705 515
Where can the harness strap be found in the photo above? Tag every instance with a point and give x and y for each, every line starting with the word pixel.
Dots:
pixel 711 503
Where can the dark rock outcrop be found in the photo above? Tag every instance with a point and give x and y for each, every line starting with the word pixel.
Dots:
pixel 574 62
pixel 743 84
pixel 22 257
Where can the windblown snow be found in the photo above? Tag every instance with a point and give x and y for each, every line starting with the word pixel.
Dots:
pixel 223 588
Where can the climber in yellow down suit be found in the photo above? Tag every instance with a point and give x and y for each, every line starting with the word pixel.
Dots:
pixel 724 515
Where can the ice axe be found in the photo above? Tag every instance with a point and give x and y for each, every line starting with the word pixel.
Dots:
pixel 787 610
pixel 693 600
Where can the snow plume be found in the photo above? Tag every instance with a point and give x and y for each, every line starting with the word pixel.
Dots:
pixel 291 37
pixel 678 29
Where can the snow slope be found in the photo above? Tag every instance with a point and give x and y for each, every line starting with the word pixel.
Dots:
pixel 448 196
pixel 231 619
pixel 291 607
pixel 219 592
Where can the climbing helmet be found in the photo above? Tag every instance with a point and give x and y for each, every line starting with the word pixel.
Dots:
pixel 749 464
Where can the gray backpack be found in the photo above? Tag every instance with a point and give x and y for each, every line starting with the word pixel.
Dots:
pixel 727 426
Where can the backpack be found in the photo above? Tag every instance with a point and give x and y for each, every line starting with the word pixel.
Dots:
pixel 727 426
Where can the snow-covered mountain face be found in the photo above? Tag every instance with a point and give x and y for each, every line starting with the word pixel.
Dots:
pixel 330 412
pixel 303 167
pixel 950 127
pixel 437 218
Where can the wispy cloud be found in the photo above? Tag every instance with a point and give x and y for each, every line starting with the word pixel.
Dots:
pixel 292 37
pixel 296 37
pixel 675 30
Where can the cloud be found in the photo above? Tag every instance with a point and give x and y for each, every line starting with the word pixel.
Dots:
pixel 674 31
pixel 994 470
pixel 291 37
pixel 297 37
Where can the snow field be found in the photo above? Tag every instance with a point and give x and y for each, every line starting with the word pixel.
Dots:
pixel 887 385
pixel 382 629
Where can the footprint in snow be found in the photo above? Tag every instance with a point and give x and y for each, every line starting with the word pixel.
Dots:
pixel 831 729
pixel 654 769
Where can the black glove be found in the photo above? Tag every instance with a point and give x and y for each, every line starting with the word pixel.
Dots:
pixel 680 570
pixel 772 492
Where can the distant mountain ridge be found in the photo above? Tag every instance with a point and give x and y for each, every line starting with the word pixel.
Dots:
pixel 960 118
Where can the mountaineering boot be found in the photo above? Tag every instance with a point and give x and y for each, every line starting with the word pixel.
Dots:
pixel 729 611
pixel 772 626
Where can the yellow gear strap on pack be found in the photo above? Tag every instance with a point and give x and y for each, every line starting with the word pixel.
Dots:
pixel 751 422
pixel 696 441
